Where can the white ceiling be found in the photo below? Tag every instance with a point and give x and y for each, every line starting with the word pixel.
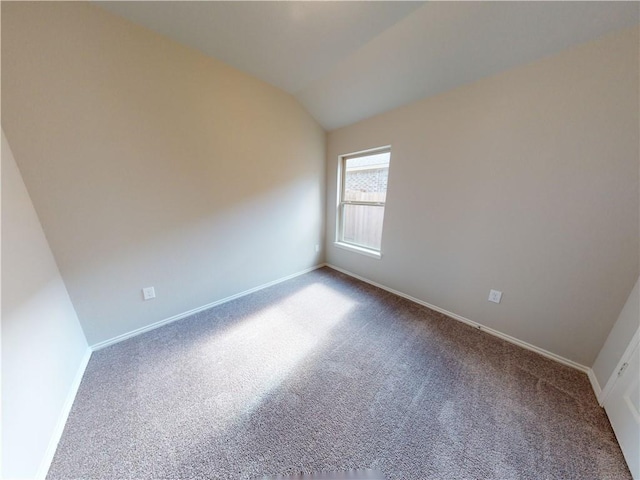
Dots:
pixel 346 61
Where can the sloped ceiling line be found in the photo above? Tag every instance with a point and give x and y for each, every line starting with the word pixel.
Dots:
pixel 346 61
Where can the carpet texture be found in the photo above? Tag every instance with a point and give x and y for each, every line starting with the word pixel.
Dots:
pixel 326 373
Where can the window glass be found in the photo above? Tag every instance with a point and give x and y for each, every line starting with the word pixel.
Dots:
pixel 362 197
pixel 366 178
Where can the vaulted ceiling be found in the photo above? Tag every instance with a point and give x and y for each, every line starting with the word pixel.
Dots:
pixel 346 61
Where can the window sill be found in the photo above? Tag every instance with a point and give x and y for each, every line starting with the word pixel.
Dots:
pixel 360 250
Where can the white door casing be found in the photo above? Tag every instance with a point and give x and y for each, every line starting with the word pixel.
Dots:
pixel 622 405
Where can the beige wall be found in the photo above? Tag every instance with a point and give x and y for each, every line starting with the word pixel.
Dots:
pixel 43 346
pixel 150 164
pixel 525 182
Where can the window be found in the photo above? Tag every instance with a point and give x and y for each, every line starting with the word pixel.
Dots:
pixel 362 194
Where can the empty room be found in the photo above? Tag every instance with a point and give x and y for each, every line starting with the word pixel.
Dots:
pixel 320 240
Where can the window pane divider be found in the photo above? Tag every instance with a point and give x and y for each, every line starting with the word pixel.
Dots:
pixel 361 202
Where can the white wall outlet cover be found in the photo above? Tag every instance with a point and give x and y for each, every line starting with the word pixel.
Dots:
pixel 317 248
pixel 495 296
pixel 148 293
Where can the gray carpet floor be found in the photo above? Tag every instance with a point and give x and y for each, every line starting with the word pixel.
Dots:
pixel 326 373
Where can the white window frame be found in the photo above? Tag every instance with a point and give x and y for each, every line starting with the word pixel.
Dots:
pixel 340 204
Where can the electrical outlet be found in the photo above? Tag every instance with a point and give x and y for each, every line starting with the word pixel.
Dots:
pixel 495 296
pixel 148 293
pixel 317 248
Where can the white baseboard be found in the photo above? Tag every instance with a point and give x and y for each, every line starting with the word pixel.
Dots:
pixel 504 336
pixel 595 385
pixel 62 418
pixel 180 316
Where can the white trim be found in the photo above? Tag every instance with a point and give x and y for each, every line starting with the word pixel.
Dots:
pixel 595 385
pixel 340 203
pixel 367 152
pixel 180 316
pixel 504 336
pixel 45 463
pixel 635 340
pixel 362 250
